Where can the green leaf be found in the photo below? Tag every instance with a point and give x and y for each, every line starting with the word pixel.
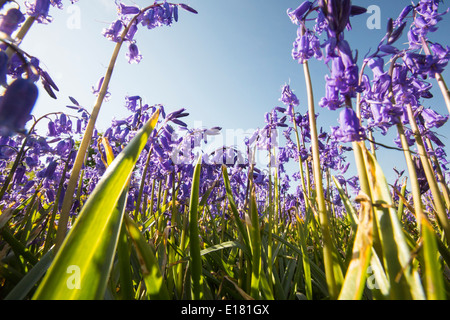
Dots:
pixel 82 265
pixel 195 260
pixel 355 278
pixel 351 212
pixel 153 279
pixel 404 279
pixel 255 240
pixel 234 210
pixel 27 283
pixel 434 282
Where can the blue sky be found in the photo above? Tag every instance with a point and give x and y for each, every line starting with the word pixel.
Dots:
pixel 226 65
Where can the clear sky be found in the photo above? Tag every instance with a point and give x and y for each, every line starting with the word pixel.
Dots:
pixel 226 65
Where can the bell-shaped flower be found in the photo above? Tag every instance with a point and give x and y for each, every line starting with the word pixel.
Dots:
pixel 16 105
pixel 350 128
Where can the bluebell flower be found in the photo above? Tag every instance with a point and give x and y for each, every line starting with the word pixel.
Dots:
pixel 350 128
pixel 298 14
pixel 16 105
pixel 114 31
pixel 133 54
pixel 10 21
pixel 433 119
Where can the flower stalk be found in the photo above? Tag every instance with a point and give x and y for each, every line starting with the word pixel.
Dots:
pixel 328 250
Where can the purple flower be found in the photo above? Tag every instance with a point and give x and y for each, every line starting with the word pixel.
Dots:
pixel 298 14
pixel 288 97
pixel 10 21
pixel 97 88
pixel 127 10
pixel 350 128
pixel 113 32
pixel 337 12
pixel 16 105
pixel 403 15
pixel 39 9
pixel 133 54
pixel 433 119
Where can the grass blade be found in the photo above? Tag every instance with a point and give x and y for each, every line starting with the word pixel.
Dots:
pixel 153 279
pixel 404 280
pixel 355 278
pixel 434 282
pixel 195 260
pixel 89 248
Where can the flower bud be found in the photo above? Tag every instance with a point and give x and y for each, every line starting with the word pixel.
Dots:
pixel 17 103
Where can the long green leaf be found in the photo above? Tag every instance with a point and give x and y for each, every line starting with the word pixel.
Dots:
pixel 434 281
pixel 153 279
pixel 196 260
pixel 234 210
pixel 25 285
pixel 351 212
pixel 404 279
pixel 82 265
pixel 355 278
pixel 255 240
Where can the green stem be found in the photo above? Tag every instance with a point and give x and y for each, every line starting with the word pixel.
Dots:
pixel 415 188
pixel 68 198
pixel 437 196
pixel 300 162
pixel 322 210
pixel 141 187
pixel 439 174
pixel 21 34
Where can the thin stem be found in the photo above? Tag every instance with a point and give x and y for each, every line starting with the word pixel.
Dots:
pixel 429 173
pixel 68 198
pixel 322 210
pixel 21 34
pixel 415 187
pixel 440 175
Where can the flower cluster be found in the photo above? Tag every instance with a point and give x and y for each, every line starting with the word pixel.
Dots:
pixel 130 17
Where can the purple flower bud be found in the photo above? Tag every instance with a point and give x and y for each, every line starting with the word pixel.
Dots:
pixel 179 122
pixel 52 129
pixel 357 10
pixel 175 114
pixel 187 8
pixel 79 123
pixel 396 34
pixel 175 13
pixel 403 14
pixel 75 102
pixel 10 21
pixel 17 103
pixel 388 49
pixel 49 172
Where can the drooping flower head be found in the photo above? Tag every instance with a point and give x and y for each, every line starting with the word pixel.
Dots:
pixel 350 128
pixel 16 105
